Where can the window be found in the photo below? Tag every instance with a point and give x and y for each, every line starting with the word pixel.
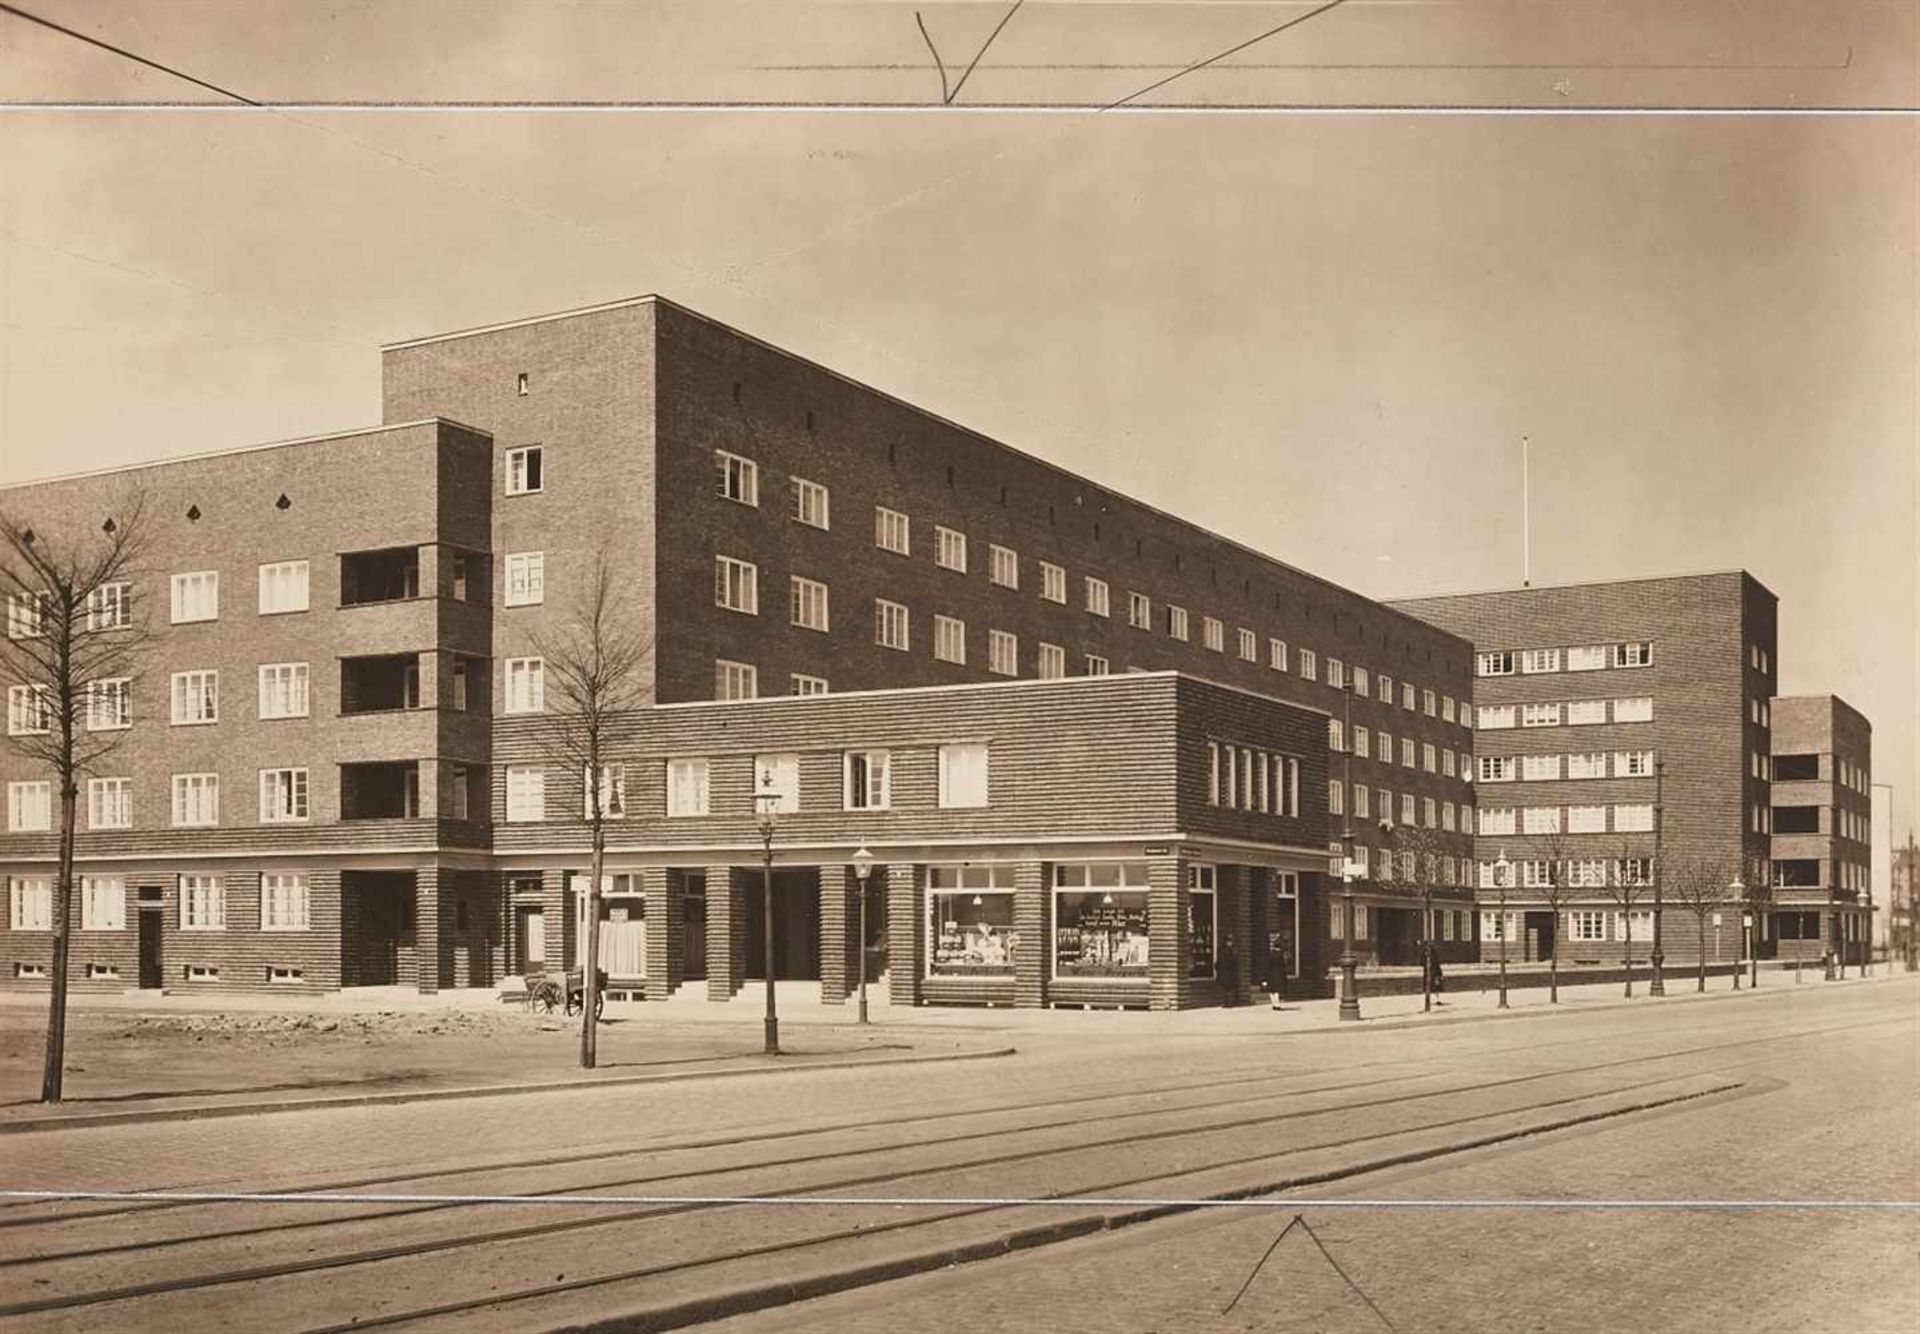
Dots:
pixel 196 698
pixel 612 791
pixel 1003 653
pixel 29 710
pixel 527 578
pixel 283 795
pixel 1386 748
pixel 1406 752
pixel 1336 673
pixel 1498 768
pixel 736 584
pixel 1098 597
pixel 950 639
pixel 1361 681
pixel 1446 708
pixel 1277 654
pixel 283 690
pixel 868 775
pixel 1638 710
pixel 1100 920
pixel 970 921
pixel 1540 820
pixel 1139 611
pixel 1497 820
pixel 284 904
pixel 1587 872
pixel 738 478
pixel 1631 764
pixel 1587 658
pixel 29 807
pixel 110 704
pixel 1535 660
pixel 1586 819
pixel 29 903
pixel 1215 634
pixel 1361 740
pixel 103 903
pixel 1446 763
pixel 1587 925
pixel 196 800
pixel 1361 806
pixel 110 607
pixel 1203 917
pixel 1406 809
pixel 1429 703
pixel 1336 736
pixel 283 587
pixel 1540 768
pixel 203 903
pixel 1429 758
pixel 1336 797
pixel 109 803
pixel 1429 812
pixel 196 596
pixel 890 624
pixel 1097 665
pixel 1539 715
pixel 1003 566
pixel 1586 712
pixel 1448 819
pixel 526 685
pixel 735 680
pixel 26 615
pixel 1638 654
pixel 525 475
pixel 1493 716
pixel 1177 623
pixel 963 773
pixel 1053 582
pixel 950 549
pixel 1633 819
pixel 1493 664
pixel 809 503
pixel 688 787
pixel 1587 766
pixel 526 793
pixel 891 531
pixel 1249 646
pixel 1052 663
pixel 807 603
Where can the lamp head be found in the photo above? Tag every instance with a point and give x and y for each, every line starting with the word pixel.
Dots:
pixel 862 863
pixel 766 803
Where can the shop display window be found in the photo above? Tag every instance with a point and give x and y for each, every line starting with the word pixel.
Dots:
pixel 1202 918
pixel 1100 920
pixel 970 921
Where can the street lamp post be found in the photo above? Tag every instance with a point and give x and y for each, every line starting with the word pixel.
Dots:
pixel 1501 869
pixel 1349 871
pixel 862 868
pixel 1738 892
pixel 1746 929
pixel 1657 984
pixel 766 803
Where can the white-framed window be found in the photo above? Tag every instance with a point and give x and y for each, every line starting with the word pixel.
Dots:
pixel 526 473
pixel 283 796
pixel 1099 597
pixel 1214 634
pixel 1003 566
pixel 1587 872
pixel 1636 819
pixel 1446 763
pixel 26 615
pixel 612 792
pixel 1407 809
pixel 196 596
pixel 1249 646
pixel 1177 622
pixel 1385 752
pixel 1336 673
pixel 103 903
pixel 1003 653
pixel 526 578
pixel 890 625
pixel 1336 735
pixel 1636 710
pixel 1362 680
pixel 1497 820
pixel 1361 739
pixel 1446 708
pixel 1362 806
pixel 196 698
pixel 737 478
pixel 1631 764
pixel 110 704
pixel 1336 797
pixel 736 585
pixel 1585 925
pixel 109 803
pixel 1429 703
pixel 1277 654
pixel 526 793
pixel 196 800
pixel 1101 920
pixel 963 774
pixel 1540 820
pixel 203 903
pixel 689 787
pixel 1640 654
pixel 30 806
pixel 950 639
pixel 892 531
pixel 868 780
pixel 29 903
pixel 1586 819
pixel 735 680
pixel 1536 660
pixel 1097 665
pixel 1498 768
pixel 1406 693
pixel 1406 752
pixel 1139 611
pixel 1448 819
pixel 1587 658
pixel 1539 715
pixel 283 690
pixel 1429 758
pixel 526 685
pixel 1052 662
pixel 970 921
pixel 1495 716
pixel 950 549
pixel 1053 582
pixel 1587 765
pixel 283 587
pixel 807 603
pixel 1494 664
pixel 110 607
pixel 1540 768
pixel 285 903
pixel 810 503
pixel 778 775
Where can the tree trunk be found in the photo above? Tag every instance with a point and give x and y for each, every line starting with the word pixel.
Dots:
pixel 53 1075
pixel 1701 950
pixel 590 949
pixel 1626 919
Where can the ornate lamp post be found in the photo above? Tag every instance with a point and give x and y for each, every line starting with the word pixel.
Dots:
pixel 862 868
pixel 766 803
pixel 1657 984
pixel 1738 892
pixel 1501 870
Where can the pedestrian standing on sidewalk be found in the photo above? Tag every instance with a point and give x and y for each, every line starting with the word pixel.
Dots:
pixel 1276 967
pixel 1435 980
pixel 1227 971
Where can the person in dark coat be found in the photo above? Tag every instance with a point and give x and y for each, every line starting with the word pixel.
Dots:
pixel 1277 964
pixel 1435 980
pixel 1226 969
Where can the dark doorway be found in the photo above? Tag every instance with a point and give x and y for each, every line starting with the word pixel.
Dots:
pixel 693 927
pixel 376 929
pixel 796 926
pixel 529 938
pixel 1538 933
pixel 1399 930
pixel 150 978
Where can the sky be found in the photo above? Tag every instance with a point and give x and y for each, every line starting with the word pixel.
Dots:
pixel 1322 333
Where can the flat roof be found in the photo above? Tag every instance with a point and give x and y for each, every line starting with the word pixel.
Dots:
pixel 1582 583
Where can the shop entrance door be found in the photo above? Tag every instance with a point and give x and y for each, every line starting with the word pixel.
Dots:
pixel 529 938
pixel 150 973
pixel 796 926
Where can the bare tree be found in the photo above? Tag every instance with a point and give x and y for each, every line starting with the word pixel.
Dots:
pixel 75 640
pixel 1757 899
pixel 597 670
pixel 1420 850
pixel 1627 886
pixel 1553 848
pixel 1697 885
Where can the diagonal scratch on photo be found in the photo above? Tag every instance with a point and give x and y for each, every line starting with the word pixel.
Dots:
pixel 1094 666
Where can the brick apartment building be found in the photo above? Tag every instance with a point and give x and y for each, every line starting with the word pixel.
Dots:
pixel 1822 828
pixel 1605 712
pixel 332 772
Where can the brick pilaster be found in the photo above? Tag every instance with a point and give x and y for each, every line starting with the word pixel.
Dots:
pixel 726 932
pixel 839 927
pixel 1032 911
pixel 558 917
pixel 1235 888
pixel 664 927
pixel 1169 944
pixel 905 896
pixel 428 929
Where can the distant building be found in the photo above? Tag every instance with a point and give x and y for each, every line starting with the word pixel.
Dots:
pixel 1822 828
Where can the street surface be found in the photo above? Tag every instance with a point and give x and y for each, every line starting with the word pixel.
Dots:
pixel 1028 1192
